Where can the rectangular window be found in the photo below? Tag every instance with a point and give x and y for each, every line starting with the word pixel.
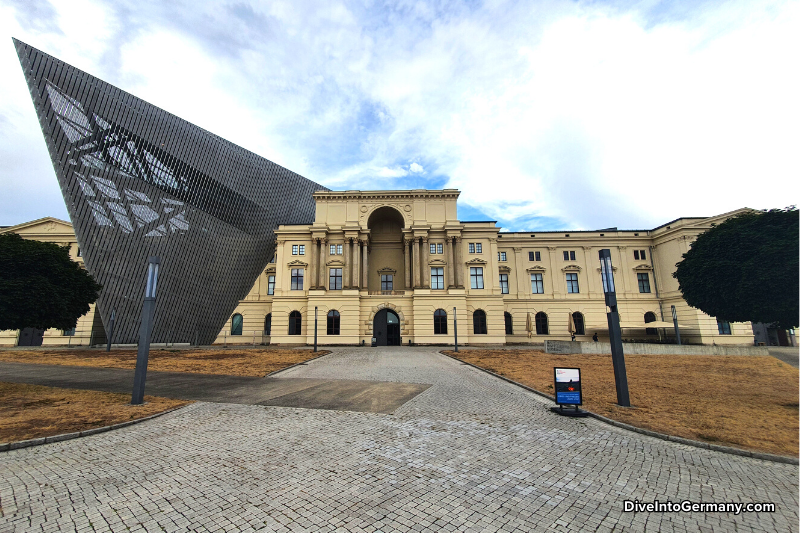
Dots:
pixel 504 283
pixel 294 249
pixel 68 332
pixel 636 254
pixel 572 283
pixel 270 285
pixel 302 249
pixel 566 255
pixel 333 249
pixel 273 258
pixel 572 255
pixel 644 282
pixel 472 247
pixel 501 256
pixel 440 248
pixel 534 256
pixel 387 281
pixel 724 327
pixel 476 277
pixel 339 249
pixel 297 279
pixel 478 248
pixel 640 254
pixel 433 248
pixel 335 283
pixel 437 278
pixel 79 252
pixel 537 284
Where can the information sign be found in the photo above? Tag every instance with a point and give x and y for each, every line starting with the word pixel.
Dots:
pixel 568 386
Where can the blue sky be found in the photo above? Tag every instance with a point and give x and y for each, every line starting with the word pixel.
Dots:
pixel 546 115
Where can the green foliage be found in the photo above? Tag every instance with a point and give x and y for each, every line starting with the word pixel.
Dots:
pixel 40 286
pixel 745 269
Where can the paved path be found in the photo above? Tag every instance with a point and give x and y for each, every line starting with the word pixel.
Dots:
pixel 470 453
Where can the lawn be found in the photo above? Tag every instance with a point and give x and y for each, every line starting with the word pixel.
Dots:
pixel 230 361
pixel 748 402
pixel 33 411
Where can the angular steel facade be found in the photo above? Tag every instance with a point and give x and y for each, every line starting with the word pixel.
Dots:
pixel 140 182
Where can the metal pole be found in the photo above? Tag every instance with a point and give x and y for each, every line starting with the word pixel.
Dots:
pixel 111 329
pixel 315 328
pixel 675 323
pixel 455 330
pixel 145 330
pixel 614 333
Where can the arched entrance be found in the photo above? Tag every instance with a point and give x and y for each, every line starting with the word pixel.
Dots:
pixel 386 328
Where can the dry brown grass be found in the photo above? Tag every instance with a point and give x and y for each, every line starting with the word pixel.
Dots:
pixel 747 402
pixel 233 362
pixel 33 411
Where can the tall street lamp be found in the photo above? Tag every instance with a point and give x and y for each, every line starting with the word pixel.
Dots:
pixel 145 330
pixel 675 323
pixel 614 333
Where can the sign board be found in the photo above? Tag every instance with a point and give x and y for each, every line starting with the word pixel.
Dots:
pixel 568 386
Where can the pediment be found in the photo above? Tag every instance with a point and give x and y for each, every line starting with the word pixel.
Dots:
pixel 269 270
pixel 387 270
pixel 46 225
pixel 504 268
pixel 536 268
pixel 572 268
pixel 437 262
pixel 643 267
pixel 336 263
pixel 297 263
pixel 476 261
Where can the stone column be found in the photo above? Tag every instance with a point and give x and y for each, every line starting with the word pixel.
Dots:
pixel 416 263
pixel 346 269
pixel 323 271
pixel 459 265
pixel 450 271
pixel 424 269
pixel 407 250
pixel 313 266
pixel 356 263
pixel 365 250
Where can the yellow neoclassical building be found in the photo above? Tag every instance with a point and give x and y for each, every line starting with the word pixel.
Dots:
pixel 400 267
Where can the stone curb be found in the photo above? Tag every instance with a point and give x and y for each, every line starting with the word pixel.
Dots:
pixel 672 438
pixel 8 446
pixel 327 352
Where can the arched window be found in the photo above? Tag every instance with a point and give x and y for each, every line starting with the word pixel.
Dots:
pixel 295 323
pixel 268 324
pixel 509 324
pixel 333 322
pixel 650 317
pixel 541 324
pixel 479 322
pixel 440 322
pixel 580 327
pixel 236 324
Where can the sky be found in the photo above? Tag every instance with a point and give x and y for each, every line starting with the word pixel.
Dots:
pixel 546 115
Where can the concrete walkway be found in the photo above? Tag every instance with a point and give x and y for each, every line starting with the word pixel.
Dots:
pixel 469 453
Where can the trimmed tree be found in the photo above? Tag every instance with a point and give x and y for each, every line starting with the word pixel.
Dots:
pixel 745 269
pixel 40 286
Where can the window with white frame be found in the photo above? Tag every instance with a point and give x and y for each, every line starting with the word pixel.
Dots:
pixel 537 284
pixel 478 248
pixel 335 279
pixel 271 284
pixel 336 249
pixel 476 277
pixel 437 277
pixel 439 248
pixel 302 249
pixel 433 248
pixel 472 247
pixel 572 283
pixel 504 283
pixel 501 256
pixel 294 249
pixel 297 279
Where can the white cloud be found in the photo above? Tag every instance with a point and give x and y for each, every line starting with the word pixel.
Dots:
pixel 594 114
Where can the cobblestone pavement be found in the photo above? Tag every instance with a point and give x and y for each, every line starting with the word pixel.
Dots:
pixel 470 453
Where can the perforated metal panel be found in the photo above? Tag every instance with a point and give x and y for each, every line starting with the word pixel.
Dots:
pixel 140 182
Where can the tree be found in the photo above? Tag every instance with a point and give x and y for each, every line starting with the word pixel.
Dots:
pixel 745 269
pixel 40 286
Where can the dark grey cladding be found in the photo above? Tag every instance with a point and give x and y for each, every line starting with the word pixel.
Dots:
pixel 140 182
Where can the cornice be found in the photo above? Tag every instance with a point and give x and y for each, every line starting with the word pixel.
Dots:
pixel 333 196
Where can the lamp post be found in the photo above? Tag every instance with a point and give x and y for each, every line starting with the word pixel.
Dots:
pixel 111 329
pixel 455 330
pixel 675 323
pixel 315 329
pixel 146 328
pixel 614 334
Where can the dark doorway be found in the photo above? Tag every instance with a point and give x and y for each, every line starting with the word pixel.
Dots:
pixel 30 337
pixel 386 328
